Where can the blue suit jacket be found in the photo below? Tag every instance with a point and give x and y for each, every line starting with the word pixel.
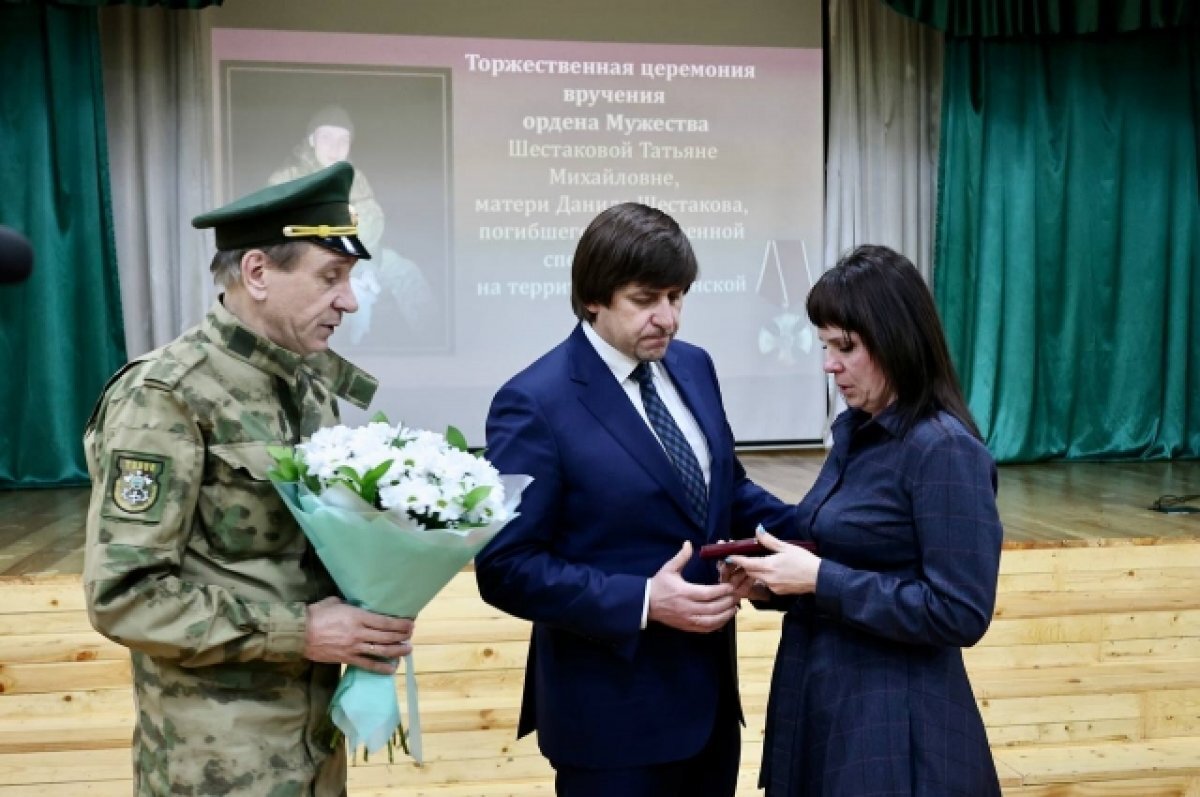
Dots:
pixel 605 511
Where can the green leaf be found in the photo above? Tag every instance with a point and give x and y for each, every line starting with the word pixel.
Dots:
pixel 380 417
pixel 282 453
pixel 287 467
pixel 350 474
pixel 285 471
pixel 456 438
pixel 369 487
pixel 472 499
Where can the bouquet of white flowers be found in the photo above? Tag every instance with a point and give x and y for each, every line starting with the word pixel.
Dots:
pixel 393 513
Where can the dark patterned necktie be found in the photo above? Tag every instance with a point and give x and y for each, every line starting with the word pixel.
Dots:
pixel 681 454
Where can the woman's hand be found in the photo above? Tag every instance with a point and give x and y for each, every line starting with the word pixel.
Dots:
pixel 790 570
pixel 744 585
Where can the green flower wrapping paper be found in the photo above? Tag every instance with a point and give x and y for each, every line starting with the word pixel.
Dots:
pixel 393 514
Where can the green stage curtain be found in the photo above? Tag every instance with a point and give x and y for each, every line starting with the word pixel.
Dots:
pixel 60 332
pixel 1068 246
pixel 1008 18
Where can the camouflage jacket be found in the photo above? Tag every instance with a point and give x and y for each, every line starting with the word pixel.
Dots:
pixel 194 563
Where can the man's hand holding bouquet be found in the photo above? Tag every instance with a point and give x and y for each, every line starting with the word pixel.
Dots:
pixel 394 513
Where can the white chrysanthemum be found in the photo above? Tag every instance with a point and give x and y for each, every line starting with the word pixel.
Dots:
pixel 414 496
pixel 361 449
pixel 424 451
pixel 457 467
pixel 490 509
pixel 449 508
pixel 428 479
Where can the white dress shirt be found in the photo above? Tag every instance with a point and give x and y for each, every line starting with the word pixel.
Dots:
pixel 622 367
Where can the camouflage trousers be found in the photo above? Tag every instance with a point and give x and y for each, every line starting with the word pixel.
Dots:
pixel 253 729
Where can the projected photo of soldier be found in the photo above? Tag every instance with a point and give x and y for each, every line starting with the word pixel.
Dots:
pixel 388 276
pixel 283 121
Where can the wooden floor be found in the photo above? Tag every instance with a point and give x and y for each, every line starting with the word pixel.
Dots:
pixel 1088 679
pixel 1047 504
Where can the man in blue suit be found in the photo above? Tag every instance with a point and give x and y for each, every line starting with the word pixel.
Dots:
pixel 631 681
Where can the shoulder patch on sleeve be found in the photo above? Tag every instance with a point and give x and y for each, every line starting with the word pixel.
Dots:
pixel 137 484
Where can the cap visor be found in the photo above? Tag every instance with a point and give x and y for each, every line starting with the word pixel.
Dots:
pixel 345 245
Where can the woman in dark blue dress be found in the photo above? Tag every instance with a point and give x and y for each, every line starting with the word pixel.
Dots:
pixel 869 696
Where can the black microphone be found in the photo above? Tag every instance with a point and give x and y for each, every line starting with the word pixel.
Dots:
pixel 16 256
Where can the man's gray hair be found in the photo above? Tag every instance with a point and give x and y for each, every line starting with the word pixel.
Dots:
pixel 226 265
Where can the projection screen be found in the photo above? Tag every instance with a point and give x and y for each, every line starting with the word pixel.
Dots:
pixel 486 159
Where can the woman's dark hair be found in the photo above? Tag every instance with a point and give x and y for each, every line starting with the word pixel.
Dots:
pixel 877 293
pixel 629 243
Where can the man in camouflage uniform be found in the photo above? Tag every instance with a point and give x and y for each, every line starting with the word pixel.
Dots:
pixel 192 560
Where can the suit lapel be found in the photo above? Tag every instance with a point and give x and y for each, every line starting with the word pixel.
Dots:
pixel 605 399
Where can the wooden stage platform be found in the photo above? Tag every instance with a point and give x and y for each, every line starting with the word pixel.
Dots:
pixel 1088 680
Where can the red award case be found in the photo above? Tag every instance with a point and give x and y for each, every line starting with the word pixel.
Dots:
pixel 747 547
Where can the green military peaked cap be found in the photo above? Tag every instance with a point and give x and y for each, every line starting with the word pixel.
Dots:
pixel 313 208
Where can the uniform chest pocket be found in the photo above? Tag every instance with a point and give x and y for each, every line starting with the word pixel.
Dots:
pixel 242 514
